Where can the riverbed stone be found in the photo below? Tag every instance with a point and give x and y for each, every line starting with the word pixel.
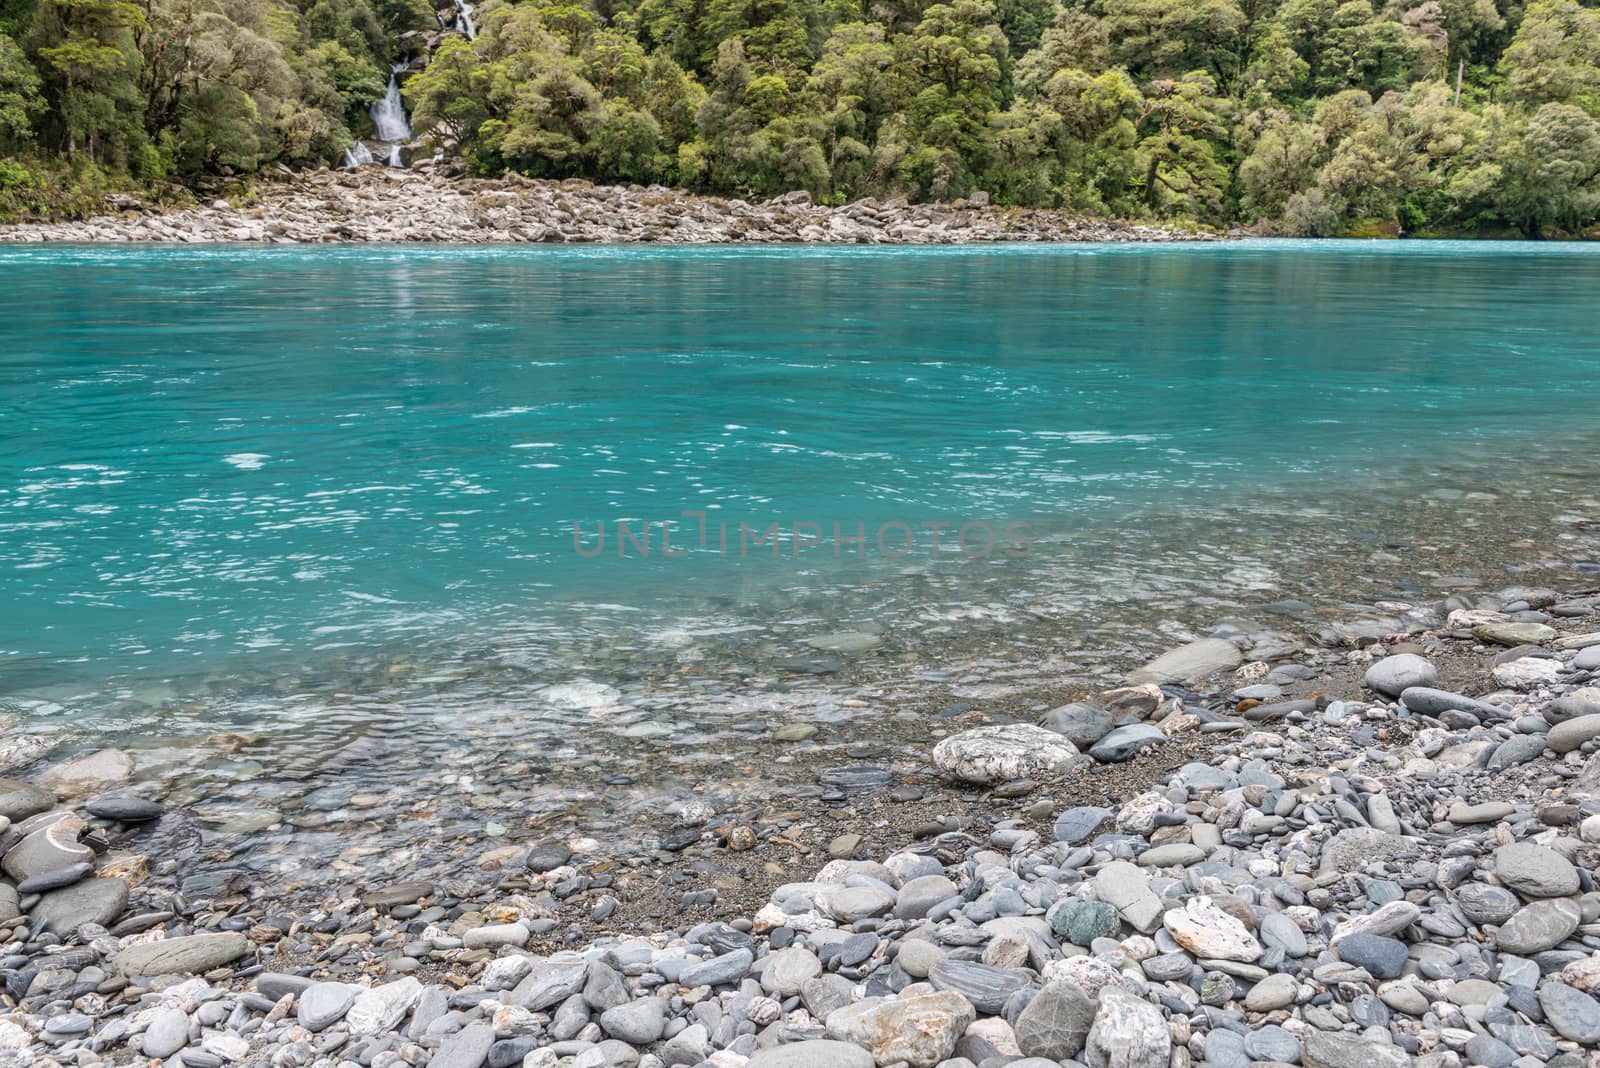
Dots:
pixel 1004 752
pixel 1208 932
pixel 167 1033
pixel 1055 1024
pixel 88 774
pixel 1189 663
pixel 1538 926
pixel 1574 1014
pixel 1535 871
pixel 1571 734
pixel 1128 1032
pixel 1081 723
pixel 638 1023
pixel 1123 743
pixel 49 849
pixel 815 1053
pixel 1324 1049
pixel 919 1030
pixel 98 901
pixel 1393 675
pixel 19 800
pixel 987 988
pixel 182 955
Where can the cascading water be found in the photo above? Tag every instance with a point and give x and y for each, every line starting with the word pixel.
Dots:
pixel 464 21
pixel 357 154
pixel 389 118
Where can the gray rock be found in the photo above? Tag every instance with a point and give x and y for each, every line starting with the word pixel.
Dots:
pixel 549 983
pixel 1427 701
pixel 19 800
pixel 467 1048
pixel 987 988
pixel 1514 634
pixel 183 955
pixel 1578 703
pixel 1122 743
pixel 1055 1024
pixel 1081 922
pixel 1278 930
pixel 818 1053
pixel 718 971
pixel 1171 855
pixel 1539 926
pixel 1574 1014
pixel 1274 992
pixel 1517 750
pixel 274 985
pixel 1324 1049
pixel 638 1023
pixel 379 1010
pixel 324 1004
pixel 1490 1052
pixel 125 809
pixel 1080 824
pixel 1571 734
pixel 921 894
pixel 1352 850
pixel 1189 663
pixel 786 971
pixel 167 1034
pixel 1482 903
pixel 1393 675
pixel 1534 871
pixel 1081 723
pixel 99 901
pixel 50 848
pixel 1128 1032
pixel 1587 659
pixel 1272 1043
pixel 1383 958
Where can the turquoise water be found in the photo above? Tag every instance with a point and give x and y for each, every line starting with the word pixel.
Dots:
pixel 223 464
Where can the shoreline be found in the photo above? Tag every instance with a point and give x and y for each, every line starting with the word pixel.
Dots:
pixel 947 892
pixel 381 205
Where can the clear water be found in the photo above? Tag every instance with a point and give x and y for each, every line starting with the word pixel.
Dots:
pixel 325 490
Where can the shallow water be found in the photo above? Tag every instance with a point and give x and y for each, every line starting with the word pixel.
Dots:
pixel 328 496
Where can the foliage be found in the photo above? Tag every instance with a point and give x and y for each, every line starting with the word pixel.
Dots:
pixel 1314 117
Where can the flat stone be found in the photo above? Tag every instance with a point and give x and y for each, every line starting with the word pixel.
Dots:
pixel 1077 825
pixel 1081 922
pixel 1127 889
pixel 1173 855
pixel 1426 701
pixel 1352 850
pixel 920 1030
pixel 1393 675
pixel 785 972
pixel 1055 1024
pixel 638 1023
pixel 125 809
pixel 380 1009
pixel 1483 903
pixel 183 955
pixel 324 1004
pixel 88 774
pixel 403 893
pixel 1574 1014
pixel 1517 750
pixel 1534 871
pixel 1512 634
pixel 99 901
pixel 1001 753
pixel 1121 744
pixel 1466 815
pixel 1081 723
pixel 1190 663
pixel 1380 956
pixel 1274 992
pixel 1324 1049
pixel 718 971
pixel 55 880
pixel 818 1053
pixel 1539 926
pixel 549 983
pixel 467 1048
pixel 19 800
pixel 918 896
pixel 1272 1043
pixel 987 988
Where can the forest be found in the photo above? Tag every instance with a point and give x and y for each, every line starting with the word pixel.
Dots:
pixel 1308 117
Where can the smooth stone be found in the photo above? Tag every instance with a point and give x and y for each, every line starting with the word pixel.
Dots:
pixel 1483 903
pixel 549 983
pixel 1081 723
pixel 1534 871
pixel 48 849
pixel 1578 703
pixel 918 1030
pixel 379 1010
pixel 99 901
pixel 638 1023
pixel 1393 675
pixel 1189 663
pixel 1571 734
pixel 1426 701
pixel 54 880
pixel 324 1004
pixel 998 754
pixel 19 800
pixel 918 896
pixel 167 1033
pixel 1380 956
pixel 1574 1014
pixel 814 1053
pixel 1274 992
pixel 1513 634
pixel 786 971
pixel 1121 744
pixel 1537 927
pixel 718 971
pixel 1077 825
pixel 1211 933
pixel 1517 750
pixel 1465 815
pixel 183 955
pixel 1081 922
pixel 467 1048
pixel 89 773
pixel 1272 1043
pixel 1173 855
pixel 125 809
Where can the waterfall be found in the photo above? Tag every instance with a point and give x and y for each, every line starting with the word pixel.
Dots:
pixel 357 154
pixel 389 118
pixel 464 20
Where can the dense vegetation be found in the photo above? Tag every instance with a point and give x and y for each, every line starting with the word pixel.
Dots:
pixel 1322 116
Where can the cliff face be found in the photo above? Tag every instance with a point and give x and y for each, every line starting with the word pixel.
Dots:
pixel 424 204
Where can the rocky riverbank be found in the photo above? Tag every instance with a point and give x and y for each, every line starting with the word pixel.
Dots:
pixel 1370 853
pixel 376 204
